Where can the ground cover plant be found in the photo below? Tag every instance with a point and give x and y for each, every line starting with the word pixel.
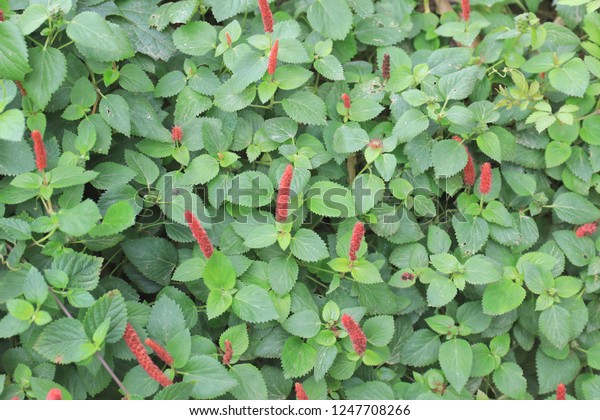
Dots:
pixel 344 199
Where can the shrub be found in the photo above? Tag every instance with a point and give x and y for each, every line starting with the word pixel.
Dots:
pixel 338 199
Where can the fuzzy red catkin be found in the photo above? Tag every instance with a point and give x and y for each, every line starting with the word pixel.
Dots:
pixel 283 195
pixel 346 100
pixel 228 38
pixel 1 15
pixel 39 149
pixel 469 169
pixel 300 393
pixel 199 233
pixel 273 57
pixel 160 351
pixel 385 67
pixel 586 230
pixel 358 338
pixel 54 394
pixel 228 352
pixel 561 392
pixel 408 276
pixel 466 10
pixel 267 16
pixel 137 348
pixel 176 134
pixel 358 234
pixel 485 182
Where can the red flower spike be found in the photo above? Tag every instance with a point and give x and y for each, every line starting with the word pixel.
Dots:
pixel 346 99
pixel 358 234
pixel 15 399
pixel 54 394
pixel 273 58
pixel 228 38
pixel 160 351
pixel 561 392
pixel 267 16
pixel 469 170
pixel 586 230
pixel 376 144
pixel 300 393
pixel 385 67
pixel 283 195
pixel 176 134
pixel 199 233
pixel 485 182
pixel 408 276
pixel 1 15
pixel 466 10
pixel 358 338
pixel 228 352
pixel 39 149
pixel 137 348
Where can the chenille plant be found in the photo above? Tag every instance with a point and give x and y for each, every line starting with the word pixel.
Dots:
pixel 299 199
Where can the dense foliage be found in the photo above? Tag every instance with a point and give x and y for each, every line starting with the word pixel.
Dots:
pixel 346 199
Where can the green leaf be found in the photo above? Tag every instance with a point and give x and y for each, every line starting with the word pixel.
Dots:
pixel 218 302
pixel 555 325
pixel 305 324
pixel 118 217
pixel 283 273
pixel 133 79
pixel 253 304
pixel 471 233
pixel 210 378
pixel 109 307
pixel 330 67
pixel 348 139
pixel 99 39
pixel 12 125
pixel 251 189
pixel 579 251
pixel 78 220
pixel 572 78
pixel 379 330
pixel 502 297
pixel 154 257
pixel 219 273
pixel 64 341
pixel 332 18
pixel 297 358
pixel 510 380
pixel 365 272
pixel 440 291
pixel 166 320
pixel 82 270
pixel 115 111
pixel 364 110
pixel 372 390
pixel 195 38
pixel 262 237
pixel 449 157
pixel 49 70
pixel 327 198
pixel 557 153
pixel 306 108
pixel 479 270
pixel 412 123
pixel 456 360
pixel 251 384
pixel 13 53
pixel 421 349
pixel 489 144
pixel 460 84
pixel 307 245
pixel 573 208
